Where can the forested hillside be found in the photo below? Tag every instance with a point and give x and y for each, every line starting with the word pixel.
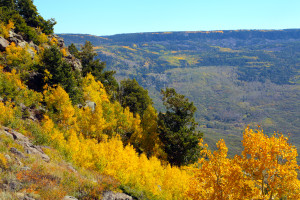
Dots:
pixel 70 130
pixel 235 78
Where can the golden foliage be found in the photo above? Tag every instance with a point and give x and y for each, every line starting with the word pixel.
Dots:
pixel 18 56
pixel 12 87
pixel 58 101
pixel 53 41
pixel 271 162
pixel 150 142
pixel 3 161
pixel 42 38
pixel 6 113
pixel 266 170
pixel 64 52
pixel 5 28
pixel 94 139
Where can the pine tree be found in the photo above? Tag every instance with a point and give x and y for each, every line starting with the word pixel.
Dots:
pixel 177 129
pixel 134 96
pixel 96 68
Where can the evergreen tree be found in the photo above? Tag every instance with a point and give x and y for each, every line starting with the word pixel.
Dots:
pixel 96 68
pixel 29 12
pixel 73 50
pixel 9 4
pixel 56 71
pixel 177 129
pixel 134 96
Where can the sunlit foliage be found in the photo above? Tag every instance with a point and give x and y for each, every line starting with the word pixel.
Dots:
pixel 5 28
pixel 20 57
pixel 267 170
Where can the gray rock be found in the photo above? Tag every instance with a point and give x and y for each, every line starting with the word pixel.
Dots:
pixel 69 198
pixel 116 196
pixel 14 35
pixel 60 42
pixel 32 53
pixel 27 144
pixel 7 157
pixel 25 168
pixel 90 104
pixel 22 44
pixel 31 44
pixel 14 186
pixel 22 106
pixel 3 44
pixel 14 40
pixel 17 152
pixel 79 105
pixel 24 196
pixel 70 167
pixel 74 62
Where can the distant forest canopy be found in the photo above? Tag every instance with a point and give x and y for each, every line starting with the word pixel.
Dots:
pixel 234 78
pixel 253 51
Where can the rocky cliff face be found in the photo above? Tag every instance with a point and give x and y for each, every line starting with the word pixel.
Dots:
pixel 19 41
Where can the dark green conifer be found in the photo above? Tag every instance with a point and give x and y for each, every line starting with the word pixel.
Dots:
pixel 177 129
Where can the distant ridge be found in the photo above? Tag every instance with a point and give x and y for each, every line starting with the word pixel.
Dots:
pixel 283 34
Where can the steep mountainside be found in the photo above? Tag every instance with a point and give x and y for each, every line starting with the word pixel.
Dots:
pixel 233 77
pixel 69 131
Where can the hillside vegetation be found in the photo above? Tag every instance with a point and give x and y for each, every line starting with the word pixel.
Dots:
pixel 69 130
pixel 234 78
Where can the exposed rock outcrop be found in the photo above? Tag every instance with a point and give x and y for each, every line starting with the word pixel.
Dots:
pixel 60 41
pixel 26 143
pixel 3 43
pixel 69 198
pixel 74 62
pixel 116 196
pixel 90 104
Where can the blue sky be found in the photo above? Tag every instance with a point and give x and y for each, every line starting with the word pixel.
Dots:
pixel 108 17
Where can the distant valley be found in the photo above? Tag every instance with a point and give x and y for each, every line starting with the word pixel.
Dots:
pixel 235 78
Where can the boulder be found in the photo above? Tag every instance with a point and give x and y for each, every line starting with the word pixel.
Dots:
pixel 17 152
pixel 14 40
pixel 32 53
pixel 14 35
pixel 74 62
pixel 27 144
pixel 69 198
pixel 14 185
pixel 22 44
pixel 26 168
pixel 90 104
pixel 109 195
pixel 7 157
pixel 24 196
pixel 31 44
pixel 3 44
pixel 60 42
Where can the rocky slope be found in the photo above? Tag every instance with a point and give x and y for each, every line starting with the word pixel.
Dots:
pixel 34 172
pixel 27 171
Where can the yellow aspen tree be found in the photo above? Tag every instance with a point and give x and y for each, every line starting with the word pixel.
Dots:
pixel 57 137
pixel 271 162
pixel 59 103
pixel 17 56
pixel 150 142
pixel 218 177
pixel 92 122
pixel 13 88
pixel 5 28
pixel 94 90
